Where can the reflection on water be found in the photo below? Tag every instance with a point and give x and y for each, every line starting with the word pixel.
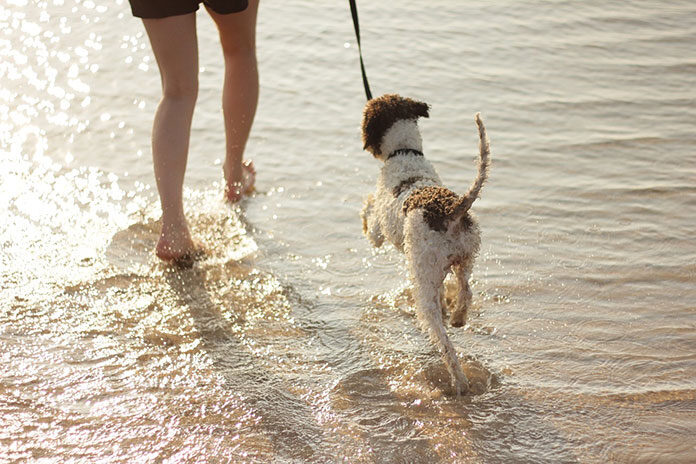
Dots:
pixel 293 340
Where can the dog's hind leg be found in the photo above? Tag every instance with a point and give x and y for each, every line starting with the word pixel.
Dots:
pixel 427 282
pixel 462 270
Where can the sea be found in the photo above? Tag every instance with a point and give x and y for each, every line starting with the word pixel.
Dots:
pixel 296 341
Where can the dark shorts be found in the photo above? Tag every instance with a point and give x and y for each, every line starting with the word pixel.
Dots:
pixel 165 8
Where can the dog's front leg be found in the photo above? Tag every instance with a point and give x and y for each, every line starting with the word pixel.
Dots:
pixel 371 227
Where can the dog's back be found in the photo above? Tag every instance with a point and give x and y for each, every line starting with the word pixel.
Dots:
pixel 398 179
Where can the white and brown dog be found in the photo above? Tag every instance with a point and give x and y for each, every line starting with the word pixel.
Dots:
pixel 430 224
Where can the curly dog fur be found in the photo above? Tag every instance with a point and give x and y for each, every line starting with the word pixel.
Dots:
pixel 429 223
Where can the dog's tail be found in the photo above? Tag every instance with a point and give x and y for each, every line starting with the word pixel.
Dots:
pixel 468 199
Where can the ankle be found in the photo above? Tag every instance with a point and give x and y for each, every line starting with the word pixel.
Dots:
pixel 174 226
pixel 232 168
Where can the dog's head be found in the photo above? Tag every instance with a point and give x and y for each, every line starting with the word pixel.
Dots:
pixel 381 114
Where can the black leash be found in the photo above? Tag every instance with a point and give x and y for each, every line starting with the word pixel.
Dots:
pixel 354 12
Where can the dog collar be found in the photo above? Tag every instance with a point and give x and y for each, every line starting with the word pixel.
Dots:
pixel 404 151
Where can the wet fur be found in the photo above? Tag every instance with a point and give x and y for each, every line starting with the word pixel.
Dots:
pixel 429 223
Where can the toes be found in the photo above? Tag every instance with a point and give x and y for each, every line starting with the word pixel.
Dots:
pixel 249 165
pixel 233 194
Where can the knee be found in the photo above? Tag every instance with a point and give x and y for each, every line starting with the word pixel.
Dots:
pixel 242 50
pixel 181 89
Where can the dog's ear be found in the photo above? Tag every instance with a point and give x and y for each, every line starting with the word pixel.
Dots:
pixel 382 112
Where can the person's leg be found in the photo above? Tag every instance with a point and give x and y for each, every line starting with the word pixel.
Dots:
pixel 174 44
pixel 239 96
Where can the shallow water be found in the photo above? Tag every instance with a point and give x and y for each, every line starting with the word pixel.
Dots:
pixel 295 341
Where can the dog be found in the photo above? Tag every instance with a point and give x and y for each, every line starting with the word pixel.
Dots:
pixel 427 222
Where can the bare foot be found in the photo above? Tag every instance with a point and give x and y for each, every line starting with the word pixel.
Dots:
pixel 236 186
pixel 176 246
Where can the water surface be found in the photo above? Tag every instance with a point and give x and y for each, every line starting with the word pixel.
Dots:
pixel 295 341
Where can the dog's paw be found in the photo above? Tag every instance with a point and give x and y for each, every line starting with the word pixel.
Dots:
pixel 458 318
